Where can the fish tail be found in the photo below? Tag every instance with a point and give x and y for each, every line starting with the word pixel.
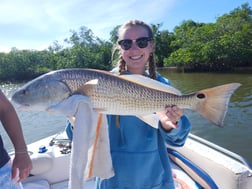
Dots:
pixel 213 102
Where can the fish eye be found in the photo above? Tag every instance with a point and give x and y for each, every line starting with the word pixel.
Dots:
pixel 201 95
pixel 24 92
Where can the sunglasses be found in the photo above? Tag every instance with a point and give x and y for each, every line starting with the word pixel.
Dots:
pixel 141 42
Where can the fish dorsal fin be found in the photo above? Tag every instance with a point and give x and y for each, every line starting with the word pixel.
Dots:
pixel 87 87
pixel 151 83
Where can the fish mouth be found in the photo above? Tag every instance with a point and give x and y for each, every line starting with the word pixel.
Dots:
pixel 23 107
pixel 19 103
pixel 26 105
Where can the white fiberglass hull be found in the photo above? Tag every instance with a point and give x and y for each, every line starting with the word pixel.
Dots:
pixel 197 161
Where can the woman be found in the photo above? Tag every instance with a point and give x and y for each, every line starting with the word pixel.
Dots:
pixel 138 150
pixel 21 165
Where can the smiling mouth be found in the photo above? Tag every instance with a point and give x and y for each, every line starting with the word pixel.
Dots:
pixel 136 57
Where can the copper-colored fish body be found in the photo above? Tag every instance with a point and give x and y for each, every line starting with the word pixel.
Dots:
pixel 122 95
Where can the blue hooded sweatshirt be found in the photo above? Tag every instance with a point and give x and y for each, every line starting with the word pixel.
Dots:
pixel 139 154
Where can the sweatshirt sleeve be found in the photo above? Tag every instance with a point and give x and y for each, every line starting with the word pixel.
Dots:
pixel 176 137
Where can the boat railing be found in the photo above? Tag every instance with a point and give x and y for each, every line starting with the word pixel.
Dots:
pixel 223 151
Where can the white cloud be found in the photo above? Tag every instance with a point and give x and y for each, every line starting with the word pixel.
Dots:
pixel 4 49
pixel 30 23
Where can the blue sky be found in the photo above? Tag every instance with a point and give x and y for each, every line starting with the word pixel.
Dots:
pixel 36 24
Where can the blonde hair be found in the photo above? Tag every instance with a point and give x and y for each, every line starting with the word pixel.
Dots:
pixel 151 62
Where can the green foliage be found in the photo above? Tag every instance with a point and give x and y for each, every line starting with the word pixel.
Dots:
pixel 22 65
pixel 163 40
pixel 218 46
pixel 86 51
pixel 202 46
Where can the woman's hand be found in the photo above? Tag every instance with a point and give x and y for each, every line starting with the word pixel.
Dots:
pixel 170 117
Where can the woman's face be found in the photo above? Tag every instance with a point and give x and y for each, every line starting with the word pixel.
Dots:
pixel 136 57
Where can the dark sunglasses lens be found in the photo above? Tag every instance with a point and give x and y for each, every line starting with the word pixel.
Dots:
pixel 142 42
pixel 125 44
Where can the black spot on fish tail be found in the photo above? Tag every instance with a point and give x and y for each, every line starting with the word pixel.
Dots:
pixel 201 96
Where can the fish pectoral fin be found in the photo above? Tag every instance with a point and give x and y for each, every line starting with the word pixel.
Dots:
pixel 151 120
pixel 92 82
pixel 88 87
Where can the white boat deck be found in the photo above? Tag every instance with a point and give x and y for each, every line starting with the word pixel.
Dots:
pixel 51 168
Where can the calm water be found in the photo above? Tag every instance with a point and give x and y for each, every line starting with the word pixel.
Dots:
pixel 237 132
pixel 235 136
